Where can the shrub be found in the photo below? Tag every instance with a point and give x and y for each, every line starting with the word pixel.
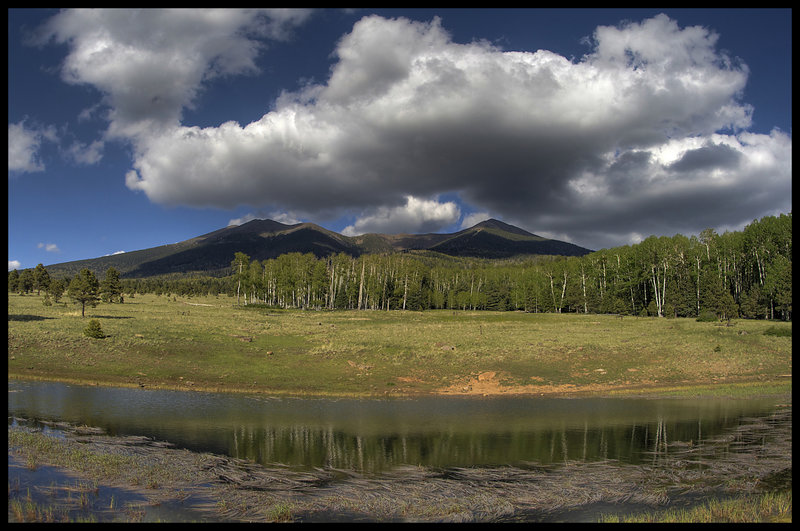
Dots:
pixel 707 316
pixel 93 330
pixel 779 331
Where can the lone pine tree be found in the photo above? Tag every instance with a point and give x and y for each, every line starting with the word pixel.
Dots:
pixel 84 290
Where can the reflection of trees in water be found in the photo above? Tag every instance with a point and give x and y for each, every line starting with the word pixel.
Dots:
pixel 315 446
pixel 741 455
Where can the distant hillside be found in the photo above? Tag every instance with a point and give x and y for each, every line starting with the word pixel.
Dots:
pixel 488 239
pixel 262 239
pixel 495 239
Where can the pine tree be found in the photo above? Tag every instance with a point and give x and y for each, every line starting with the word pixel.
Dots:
pixel 41 278
pixel 56 289
pixel 13 280
pixel 94 330
pixel 25 283
pixel 111 287
pixel 84 290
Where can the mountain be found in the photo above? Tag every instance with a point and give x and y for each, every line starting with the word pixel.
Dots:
pixel 262 239
pixel 495 239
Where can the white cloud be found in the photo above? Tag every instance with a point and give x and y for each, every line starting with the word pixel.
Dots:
pixel 86 154
pixel 150 63
pixel 24 144
pixel 416 216
pixel 49 247
pixel 242 220
pixel 287 218
pixel 646 130
pixel 680 186
pixel 470 220
pixel 13 264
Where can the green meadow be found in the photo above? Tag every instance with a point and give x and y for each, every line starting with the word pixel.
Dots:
pixel 209 343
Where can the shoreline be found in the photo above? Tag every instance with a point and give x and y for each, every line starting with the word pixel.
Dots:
pixel 482 389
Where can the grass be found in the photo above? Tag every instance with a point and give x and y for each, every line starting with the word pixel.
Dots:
pixel 208 343
pixel 779 331
pixel 93 465
pixel 30 511
pixel 770 507
pixel 280 512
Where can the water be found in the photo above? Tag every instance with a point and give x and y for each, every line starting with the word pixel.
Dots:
pixel 51 487
pixel 376 435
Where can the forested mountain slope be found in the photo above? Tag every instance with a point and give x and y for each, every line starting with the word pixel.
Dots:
pixel 263 239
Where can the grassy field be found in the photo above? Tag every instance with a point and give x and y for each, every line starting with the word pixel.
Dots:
pixel 210 344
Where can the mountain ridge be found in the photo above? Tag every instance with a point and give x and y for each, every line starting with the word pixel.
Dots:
pixel 262 239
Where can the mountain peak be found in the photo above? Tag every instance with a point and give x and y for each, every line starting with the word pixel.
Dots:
pixel 505 227
pixel 261 225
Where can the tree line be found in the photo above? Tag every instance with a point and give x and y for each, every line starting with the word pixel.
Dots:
pixel 84 289
pixel 736 274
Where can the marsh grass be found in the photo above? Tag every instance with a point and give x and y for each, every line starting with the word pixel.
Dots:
pixel 30 511
pixel 770 507
pixel 209 343
pixel 72 502
pixel 280 512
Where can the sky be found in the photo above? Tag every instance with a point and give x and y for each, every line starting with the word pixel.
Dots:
pixel 129 129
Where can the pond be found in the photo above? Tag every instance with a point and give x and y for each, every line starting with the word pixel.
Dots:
pixel 373 436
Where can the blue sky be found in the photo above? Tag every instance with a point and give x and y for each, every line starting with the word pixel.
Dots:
pixel 130 129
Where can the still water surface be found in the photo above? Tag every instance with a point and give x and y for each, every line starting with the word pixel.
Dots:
pixel 375 435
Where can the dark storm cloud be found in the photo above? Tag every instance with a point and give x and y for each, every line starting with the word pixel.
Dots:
pixel 707 157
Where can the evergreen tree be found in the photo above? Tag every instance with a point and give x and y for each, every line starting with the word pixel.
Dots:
pixel 753 305
pixel 496 295
pixel 726 307
pixel 41 278
pixel 111 287
pixel 778 286
pixel 25 283
pixel 84 290
pixel 56 289
pixel 712 293
pixel 94 330
pixel 13 280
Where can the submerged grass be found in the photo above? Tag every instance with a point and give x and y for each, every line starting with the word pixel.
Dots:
pixel 209 343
